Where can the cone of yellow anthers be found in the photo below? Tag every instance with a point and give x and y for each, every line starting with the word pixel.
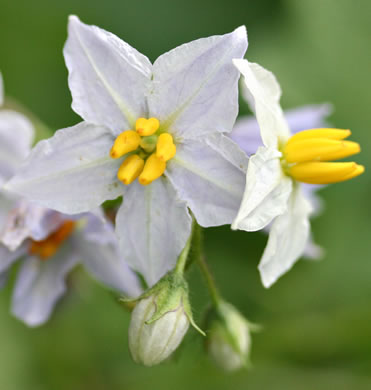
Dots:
pixel 146 150
pixel 307 155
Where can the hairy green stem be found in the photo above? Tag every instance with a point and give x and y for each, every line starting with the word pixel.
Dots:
pixel 182 259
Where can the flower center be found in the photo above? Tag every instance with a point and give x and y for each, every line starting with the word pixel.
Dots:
pixel 306 155
pixel 46 248
pixel 147 150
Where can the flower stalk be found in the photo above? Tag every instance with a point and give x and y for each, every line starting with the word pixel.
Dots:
pixel 198 256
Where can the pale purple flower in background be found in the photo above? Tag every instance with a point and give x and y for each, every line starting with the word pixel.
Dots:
pixel 193 91
pixel 40 280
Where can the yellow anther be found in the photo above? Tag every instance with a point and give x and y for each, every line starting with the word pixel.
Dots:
pixel 146 127
pixel 324 172
pixel 153 169
pixel 318 149
pixel 46 248
pixel 130 169
pixel 321 133
pixel 358 171
pixel 126 142
pixel 165 149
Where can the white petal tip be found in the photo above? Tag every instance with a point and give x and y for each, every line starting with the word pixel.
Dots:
pixel 73 19
pixel 241 31
pixel 266 282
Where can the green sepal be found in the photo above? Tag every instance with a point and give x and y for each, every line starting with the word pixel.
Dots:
pixel 169 293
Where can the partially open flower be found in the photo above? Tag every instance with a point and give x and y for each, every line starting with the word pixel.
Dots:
pixel 281 169
pixel 228 340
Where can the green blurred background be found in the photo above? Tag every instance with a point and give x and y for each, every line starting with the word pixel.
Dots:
pixel 317 332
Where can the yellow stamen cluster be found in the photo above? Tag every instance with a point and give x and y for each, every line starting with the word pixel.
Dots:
pixel 306 155
pixel 48 247
pixel 151 151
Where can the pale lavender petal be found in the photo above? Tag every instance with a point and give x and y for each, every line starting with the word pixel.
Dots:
pixel 209 175
pixel 98 246
pixel 29 220
pixel 152 226
pixel 308 117
pixel 16 136
pixel 40 284
pixel 195 86
pixel 246 133
pixel 71 172
pixel 108 78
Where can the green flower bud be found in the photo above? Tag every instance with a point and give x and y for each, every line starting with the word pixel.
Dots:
pixel 228 340
pixel 160 320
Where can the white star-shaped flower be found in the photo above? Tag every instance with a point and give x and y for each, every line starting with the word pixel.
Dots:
pixel 274 192
pixel 163 123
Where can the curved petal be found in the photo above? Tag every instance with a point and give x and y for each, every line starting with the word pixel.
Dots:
pixel 16 136
pixel 29 220
pixel 98 246
pixel 71 172
pixel 288 239
pixel 108 78
pixel 195 86
pixel 152 226
pixel 266 92
pixel 39 286
pixel 209 175
pixel 266 193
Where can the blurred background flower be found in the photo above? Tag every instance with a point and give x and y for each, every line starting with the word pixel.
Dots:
pixel 316 318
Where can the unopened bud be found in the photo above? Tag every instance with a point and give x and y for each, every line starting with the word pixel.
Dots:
pixel 160 320
pixel 151 343
pixel 228 340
